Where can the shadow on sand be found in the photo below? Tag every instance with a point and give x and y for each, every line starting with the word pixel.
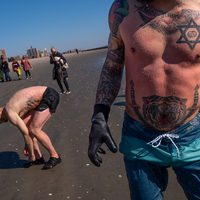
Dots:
pixel 120 104
pixel 10 160
pixel 123 103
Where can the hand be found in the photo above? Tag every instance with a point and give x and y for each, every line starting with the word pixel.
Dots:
pixel 26 153
pixel 99 134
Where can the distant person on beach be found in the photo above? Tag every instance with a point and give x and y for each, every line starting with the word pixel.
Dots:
pixel 1 71
pixel 59 70
pixel 16 68
pixel 158 42
pixel 6 70
pixel 26 66
pixel 29 109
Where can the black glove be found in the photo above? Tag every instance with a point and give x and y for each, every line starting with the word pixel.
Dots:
pixel 99 134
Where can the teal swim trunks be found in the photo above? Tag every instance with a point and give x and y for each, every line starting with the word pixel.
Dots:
pixel 172 148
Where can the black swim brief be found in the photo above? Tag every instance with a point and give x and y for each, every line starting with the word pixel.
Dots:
pixel 50 100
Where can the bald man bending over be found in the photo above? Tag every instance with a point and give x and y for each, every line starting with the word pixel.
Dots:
pixel 29 109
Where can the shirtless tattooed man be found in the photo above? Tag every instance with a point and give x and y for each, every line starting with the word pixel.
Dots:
pixel 29 109
pixel 158 41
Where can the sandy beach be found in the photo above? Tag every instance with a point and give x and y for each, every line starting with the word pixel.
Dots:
pixel 75 177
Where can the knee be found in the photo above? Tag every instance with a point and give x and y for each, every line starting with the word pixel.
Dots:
pixel 34 130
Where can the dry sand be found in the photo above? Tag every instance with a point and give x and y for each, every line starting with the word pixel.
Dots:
pixel 75 178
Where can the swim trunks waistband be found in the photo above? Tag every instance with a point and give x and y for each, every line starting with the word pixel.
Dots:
pixel 176 146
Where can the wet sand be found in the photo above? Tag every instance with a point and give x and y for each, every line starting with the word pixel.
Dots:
pixel 68 129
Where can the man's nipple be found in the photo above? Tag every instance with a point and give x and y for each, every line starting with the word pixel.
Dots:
pixel 133 49
pixel 197 57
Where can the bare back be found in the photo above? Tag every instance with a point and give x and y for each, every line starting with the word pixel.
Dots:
pixel 25 100
pixel 160 48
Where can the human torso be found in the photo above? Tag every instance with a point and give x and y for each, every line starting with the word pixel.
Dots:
pixel 25 64
pixel 0 63
pixel 15 66
pixel 5 67
pixel 25 100
pixel 162 65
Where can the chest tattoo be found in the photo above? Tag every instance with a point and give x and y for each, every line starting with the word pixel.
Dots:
pixel 190 34
pixel 170 23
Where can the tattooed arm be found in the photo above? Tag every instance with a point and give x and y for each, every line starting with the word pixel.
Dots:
pixel 109 85
pixel 111 75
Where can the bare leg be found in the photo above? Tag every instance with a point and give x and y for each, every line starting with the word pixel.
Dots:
pixel 36 124
pixel 37 151
pixel 27 120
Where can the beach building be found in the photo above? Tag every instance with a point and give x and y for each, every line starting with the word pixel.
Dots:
pixel 46 52
pixel 33 53
pixel 3 52
pixel 41 53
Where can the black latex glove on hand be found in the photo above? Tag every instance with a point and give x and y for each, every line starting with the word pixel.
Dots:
pixel 99 134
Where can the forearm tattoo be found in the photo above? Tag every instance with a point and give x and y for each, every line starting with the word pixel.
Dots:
pixel 111 75
pixel 163 112
pixel 109 82
pixel 169 23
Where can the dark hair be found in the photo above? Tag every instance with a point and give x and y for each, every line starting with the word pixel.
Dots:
pixel 145 1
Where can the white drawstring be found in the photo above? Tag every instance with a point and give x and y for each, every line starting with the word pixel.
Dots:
pixel 160 137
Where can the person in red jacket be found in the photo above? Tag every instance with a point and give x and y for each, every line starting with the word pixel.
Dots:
pixel 26 66
pixel 16 66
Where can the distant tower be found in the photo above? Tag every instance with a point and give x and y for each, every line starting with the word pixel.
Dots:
pixel 46 52
pixel 33 52
pixel 3 52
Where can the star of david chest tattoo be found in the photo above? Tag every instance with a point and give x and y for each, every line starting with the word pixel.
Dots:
pixel 184 21
pixel 190 34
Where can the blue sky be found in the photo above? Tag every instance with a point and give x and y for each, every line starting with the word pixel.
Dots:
pixel 65 24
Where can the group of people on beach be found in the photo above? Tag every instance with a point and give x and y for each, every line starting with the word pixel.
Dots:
pixel 4 68
pixel 59 71
pixel 157 41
